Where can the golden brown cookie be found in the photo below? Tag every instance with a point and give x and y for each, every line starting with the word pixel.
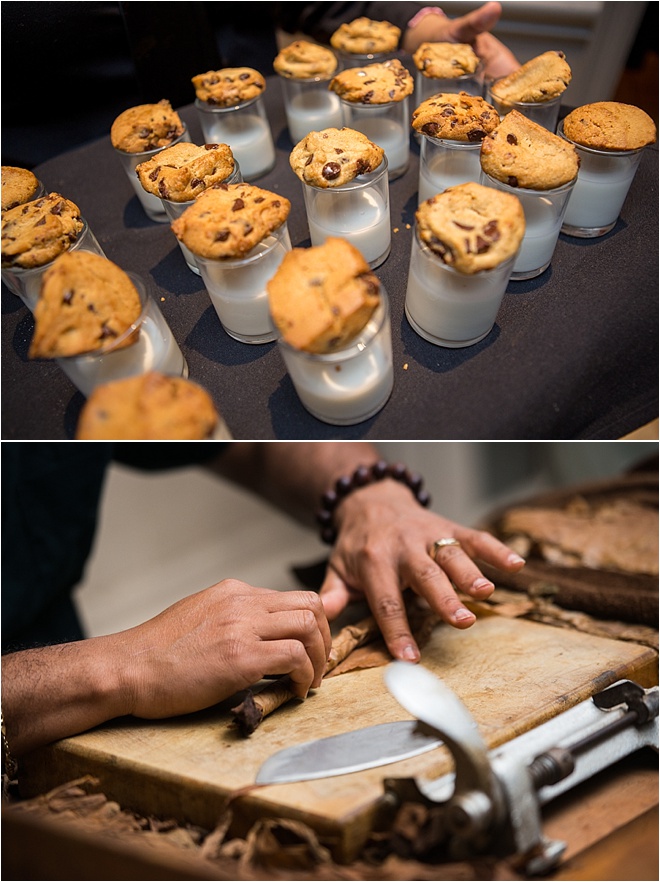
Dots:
pixel 230 219
pixel 149 406
pixel 86 303
pixel 610 125
pixel 321 297
pixel 378 83
pixel 333 157
pixel 19 185
pixel 540 79
pixel 302 60
pixel 181 172
pixel 522 153
pixel 472 227
pixel 37 232
pixel 363 36
pixel 229 86
pixel 445 60
pixel 452 117
pixel 146 127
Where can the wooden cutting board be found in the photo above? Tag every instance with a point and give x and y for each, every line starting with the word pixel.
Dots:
pixel 512 675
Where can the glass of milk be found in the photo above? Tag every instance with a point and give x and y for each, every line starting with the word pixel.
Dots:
pixel 603 181
pixel 151 204
pixel 26 283
pixel 444 163
pixel 237 287
pixel 155 350
pixel 358 211
pixel 176 209
pixel 387 125
pixel 426 87
pixel 352 384
pixel 544 215
pixel 309 106
pixel 545 113
pixel 245 128
pixel 450 308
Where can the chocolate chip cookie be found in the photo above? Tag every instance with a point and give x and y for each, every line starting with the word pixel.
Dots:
pixel 455 117
pixel 378 83
pixel 334 157
pixel 181 172
pixel 321 297
pixel 149 406
pixel 146 127
pixel 540 79
pixel 472 227
pixel 39 231
pixel 610 125
pixel 445 61
pixel 302 60
pixel 86 303
pixel 363 36
pixel 19 185
pixel 229 220
pixel 229 86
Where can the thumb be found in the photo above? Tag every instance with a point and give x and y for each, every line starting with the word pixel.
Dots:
pixel 335 594
pixel 466 28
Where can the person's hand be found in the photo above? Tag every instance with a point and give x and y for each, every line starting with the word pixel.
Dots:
pixel 472 28
pixel 382 548
pixel 212 644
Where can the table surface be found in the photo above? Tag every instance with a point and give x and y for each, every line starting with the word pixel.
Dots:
pixel 573 353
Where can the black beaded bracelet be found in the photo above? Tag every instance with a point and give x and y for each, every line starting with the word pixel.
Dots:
pixel 362 476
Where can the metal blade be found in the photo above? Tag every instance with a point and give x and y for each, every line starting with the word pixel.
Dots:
pixel 349 752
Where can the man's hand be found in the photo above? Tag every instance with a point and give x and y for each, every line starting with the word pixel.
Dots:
pixel 472 28
pixel 383 548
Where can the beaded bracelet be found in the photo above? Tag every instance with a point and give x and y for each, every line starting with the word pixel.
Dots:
pixel 9 763
pixel 362 476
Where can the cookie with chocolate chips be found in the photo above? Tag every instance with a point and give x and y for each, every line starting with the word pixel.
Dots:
pixel 19 185
pixel 455 117
pixel 321 297
pixel 521 153
pixel 472 227
pixel 229 86
pixel 181 172
pixel 149 406
pixel 229 220
pixel 364 36
pixel 39 231
pixel 379 83
pixel 333 157
pixel 146 127
pixel 540 79
pixel 86 303
pixel 302 60
pixel 445 61
pixel 610 125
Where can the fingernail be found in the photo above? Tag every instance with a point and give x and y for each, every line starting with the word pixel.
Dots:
pixel 462 615
pixel 409 653
pixel 480 584
pixel 515 559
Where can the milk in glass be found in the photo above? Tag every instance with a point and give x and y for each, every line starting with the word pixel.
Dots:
pixel 310 109
pixel 245 129
pixel 445 164
pixel 387 125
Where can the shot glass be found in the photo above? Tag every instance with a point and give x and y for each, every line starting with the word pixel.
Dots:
pixel 237 287
pixel 245 128
pixel 346 60
pixel 351 385
pixel 545 113
pixel 26 283
pixel 309 106
pixel 358 211
pixel 387 125
pixel 425 87
pixel 155 350
pixel 450 308
pixel 176 209
pixel 544 215
pixel 602 185
pixel 152 205
pixel 444 163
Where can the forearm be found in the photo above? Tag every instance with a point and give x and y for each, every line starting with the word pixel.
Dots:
pixel 56 691
pixel 293 476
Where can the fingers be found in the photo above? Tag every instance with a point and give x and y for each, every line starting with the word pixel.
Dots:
pixel 432 580
pixel 466 28
pixel 335 594
pixel 301 627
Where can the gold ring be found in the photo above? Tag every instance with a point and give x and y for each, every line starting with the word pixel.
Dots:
pixel 442 543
